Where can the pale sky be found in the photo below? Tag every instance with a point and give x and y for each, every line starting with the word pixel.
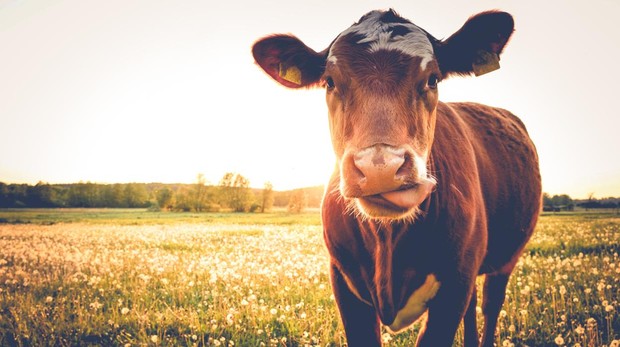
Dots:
pixel 159 91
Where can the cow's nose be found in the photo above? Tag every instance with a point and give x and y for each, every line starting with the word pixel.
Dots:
pixel 377 169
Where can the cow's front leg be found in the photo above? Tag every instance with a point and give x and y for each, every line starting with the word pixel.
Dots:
pixel 360 320
pixel 445 313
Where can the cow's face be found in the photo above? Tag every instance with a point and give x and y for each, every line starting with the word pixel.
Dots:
pixel 381 78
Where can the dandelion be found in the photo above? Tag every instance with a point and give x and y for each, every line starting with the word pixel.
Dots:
pixel 49 299
pixel 273 311
pixel 580 330
pixel 154 338
pixel 124 310
pixel 609 308
pixel 559 340
pixel 503 314
pixel 96 305
pixel 562 290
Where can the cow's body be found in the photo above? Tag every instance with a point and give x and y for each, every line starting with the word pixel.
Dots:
pixel 427 195
pixel 487 178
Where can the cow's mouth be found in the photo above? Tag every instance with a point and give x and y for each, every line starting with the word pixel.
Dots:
pixel 397 204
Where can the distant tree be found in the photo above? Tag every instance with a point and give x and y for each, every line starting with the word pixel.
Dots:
pixel 4 195
pixel 547 200
pixel 42 195
pixel 135 195
pixel 165 198
pixel 298 201
pixel 199 193
pixel 83 195
pixel 182 200
pixel 235 192
pixel 267 197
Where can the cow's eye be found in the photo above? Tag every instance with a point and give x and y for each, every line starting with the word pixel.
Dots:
pixel 432 81
pixel 329 83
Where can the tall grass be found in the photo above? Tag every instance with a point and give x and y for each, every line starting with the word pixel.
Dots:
pixel 224 284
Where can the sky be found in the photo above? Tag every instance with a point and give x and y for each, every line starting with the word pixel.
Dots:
pixel 159 91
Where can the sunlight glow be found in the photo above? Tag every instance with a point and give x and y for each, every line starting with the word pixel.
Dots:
pixel 155 91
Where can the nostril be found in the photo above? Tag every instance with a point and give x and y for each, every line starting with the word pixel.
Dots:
pixel 406 168
pixel 352 171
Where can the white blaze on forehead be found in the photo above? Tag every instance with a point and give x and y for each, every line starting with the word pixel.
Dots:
pixel 378 35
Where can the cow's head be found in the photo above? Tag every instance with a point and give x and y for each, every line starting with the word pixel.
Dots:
pixel 381 77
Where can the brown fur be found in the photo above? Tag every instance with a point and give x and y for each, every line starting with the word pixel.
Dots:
pixel 477 220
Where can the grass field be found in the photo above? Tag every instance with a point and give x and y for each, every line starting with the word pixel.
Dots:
pixel 137 278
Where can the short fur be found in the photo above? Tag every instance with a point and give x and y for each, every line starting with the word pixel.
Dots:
pixel 384 109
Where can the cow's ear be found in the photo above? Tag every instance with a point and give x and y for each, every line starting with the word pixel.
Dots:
pixel 476 47
pixel 289 61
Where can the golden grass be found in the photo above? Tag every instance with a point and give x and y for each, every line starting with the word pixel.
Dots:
pixel 214 284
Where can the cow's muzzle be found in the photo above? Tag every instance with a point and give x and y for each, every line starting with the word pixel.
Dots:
pixel 386 180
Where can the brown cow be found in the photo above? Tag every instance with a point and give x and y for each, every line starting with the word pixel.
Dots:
pixel 427 195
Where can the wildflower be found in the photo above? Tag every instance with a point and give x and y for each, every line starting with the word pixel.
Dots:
pixel 154 338
pixel 273 311
pixel 614 343
pixel 49 299
pixel 559 340
pixel 609 308
pixel 386 338
pixel 580 330
pixel 124 310
pixel 503 314
pixel 96 305
pixel 562 290
pixel 512 328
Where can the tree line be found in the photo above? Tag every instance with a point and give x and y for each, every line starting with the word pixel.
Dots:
pixel 232 193
pixel 563 202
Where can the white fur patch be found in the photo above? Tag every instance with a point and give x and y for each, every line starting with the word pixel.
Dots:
pixel 416 304
pixel 379 35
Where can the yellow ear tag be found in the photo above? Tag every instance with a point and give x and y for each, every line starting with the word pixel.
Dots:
pixel 291 74
pixel 485 62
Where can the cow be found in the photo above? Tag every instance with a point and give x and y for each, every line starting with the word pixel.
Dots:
pixel 426 196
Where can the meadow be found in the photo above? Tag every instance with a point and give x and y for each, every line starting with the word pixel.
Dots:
pixel 138 278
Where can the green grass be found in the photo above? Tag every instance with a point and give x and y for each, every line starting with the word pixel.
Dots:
pixel 107 277
pixel 146 217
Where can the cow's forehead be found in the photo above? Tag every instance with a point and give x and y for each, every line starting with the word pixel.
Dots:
pixel 385 30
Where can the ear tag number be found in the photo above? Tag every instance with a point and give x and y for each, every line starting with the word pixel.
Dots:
pixel 485 62
pixel 291 74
